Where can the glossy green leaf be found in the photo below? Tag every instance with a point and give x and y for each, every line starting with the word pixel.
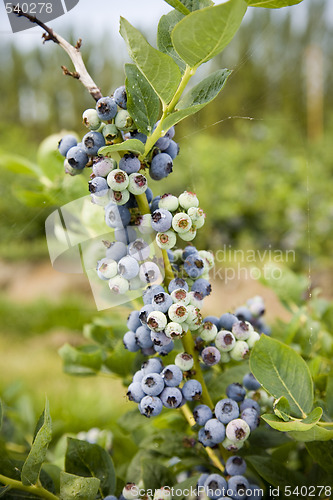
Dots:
pixel 160 70
pixel 83 360
pixel 283 372
pixel 19 165
pixel 32 465
pixel 205 33
pixel 294 425
pixel 202 94
pixel 322 453
pixel 274 472
pixel 187 6
pixel 187 484
pixel 142 101
pixel 120 361
pixel 86 459
pixel 329 394
pixel 80 488
pixel 272 4
pixel 316 433
pixel 281 408
pixel 164 42
pixel 131 145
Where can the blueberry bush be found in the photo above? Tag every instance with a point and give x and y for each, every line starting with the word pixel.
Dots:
pixel 221 406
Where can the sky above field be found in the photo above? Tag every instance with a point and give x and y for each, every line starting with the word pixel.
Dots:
pixel 94 18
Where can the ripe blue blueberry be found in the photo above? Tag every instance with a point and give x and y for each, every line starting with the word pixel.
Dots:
pixel 177 283
pixel 172 149
pixel 152 365
pixel 133 321
pixel 203 439
pixel 201 414
pixel 162 301
pixel 144 313
pixel 215 486
pixel 202 479
pixel 139 249
pixel 257 493
pixel 155 204
pixel 172 375
pixel 138 376
pixel 243 313
pixel 128 267
pixel 236 392
pixel 162 143
pixel 250 382
pixel 106 108
pixel 194 265
pixel 116 250
pixel 125 235
pixel 143 337
pixel 117 216
pixel 192 390
pixel 149 195
pixel 160 339
pixel 135 392
pixel 120 97
pixel 251 417
pixel 214 430
pixel 150 406
pixel 66 143
pixel 129 341
pixel 164 350
pixel 202 286
pixel 98 186
pixel 149 293
pixel 250 403
pixel 77 157
pixel 92 142
pixel 213 319
pixel 130 163
pixel 161 220
pixel 152 384
pixel 235 466
pixel 171 132
pixel 238 486
pixel 227 320
pixel 139 136
pixel 161 166
pixel 226 410
pixel 171 397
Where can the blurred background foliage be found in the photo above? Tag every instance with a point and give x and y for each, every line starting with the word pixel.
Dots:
pixel 259 158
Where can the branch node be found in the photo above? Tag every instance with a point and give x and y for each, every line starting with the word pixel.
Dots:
pixel 73 74
pixel 78 44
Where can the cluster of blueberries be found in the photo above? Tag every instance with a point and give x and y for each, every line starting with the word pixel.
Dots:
pixel 233 419
pixel 110 123
pixel 166 317
pixel 155 386
pixel 235 486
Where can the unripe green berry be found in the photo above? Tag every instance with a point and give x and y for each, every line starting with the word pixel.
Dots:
pixel 239 351
pixel 90 119
pixel 111 133
pixel 173 330
pixel 208 258
pixel 169 202
pixel 137 184
pixel 166 240
pixel 145 224
pixel 118 285
pixel 253 338
pixel 178 313
pixel 184 361
pixel 232 445
pixel 157 321
pixel 189 235
pixel 117 180
pixel 124 121
pixel 208 331
pixel 180 296
pixel 181 222
pixel 188 200
pixel 119 197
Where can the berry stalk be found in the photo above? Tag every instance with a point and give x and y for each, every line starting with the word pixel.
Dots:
pixel 38 491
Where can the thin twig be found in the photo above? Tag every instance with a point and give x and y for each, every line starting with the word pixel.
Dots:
pixel 74 53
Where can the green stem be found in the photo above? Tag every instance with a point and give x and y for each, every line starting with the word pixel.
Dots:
pixel 142 202
pixel 169 276
pixel 35 490
pixel 167 109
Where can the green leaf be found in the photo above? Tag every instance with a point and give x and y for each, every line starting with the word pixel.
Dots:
pixel 160 70
pixel 290 287
pixel 329 393
pixel 19 165
pixel 142 102
pixel 32 465
pixel 316 433
pixel 7 466
pixel 322 453
pixel 294 425
pixel 131 145
pixel 177 4
pixel 3 490
pixel 86 459
pixel 272 4
pixel 180 488
pixel 164 42
pixel 83 360
pixel 205 33
pixel 120 361
pixel 80 488
pixel 282 372
pixel 203 93
pixel 155 475
pixel 274 472
pixel 281 408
